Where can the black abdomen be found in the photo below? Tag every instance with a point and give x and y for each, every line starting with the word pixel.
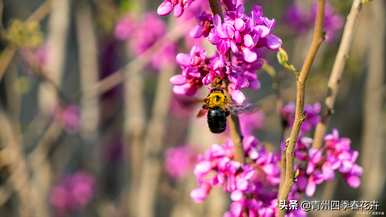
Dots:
pixel 217 120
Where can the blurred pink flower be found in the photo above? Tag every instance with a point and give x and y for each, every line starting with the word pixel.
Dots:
pixel 302 20
pixel 124 28
pixel 167 6
pixel 179 161
pixel 143 34
pixel 182 106
pixel 311 112
pixel 249 122
pixel 73 192
pixel 69 116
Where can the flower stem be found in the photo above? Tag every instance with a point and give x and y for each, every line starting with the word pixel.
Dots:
pixel 237 137
pixel 216 7
pixel 288 172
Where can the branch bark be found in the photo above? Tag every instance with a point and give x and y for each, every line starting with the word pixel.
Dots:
pixel 57 40
pixel 88 55
pixel 317 39
pixel 153 146
pixel 336 73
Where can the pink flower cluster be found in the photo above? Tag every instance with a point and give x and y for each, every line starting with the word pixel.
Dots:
pixel 73 192
pixel 167 6
pixel 241 41
pixel 253 187
pixel 301 20
pixel 143 34
pixel 336 156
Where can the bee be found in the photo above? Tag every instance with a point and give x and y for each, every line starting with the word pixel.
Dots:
pixel 217 105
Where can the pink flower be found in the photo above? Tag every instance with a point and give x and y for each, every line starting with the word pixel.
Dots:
pixel 244 35
pixel 301 20
pixel 311 112
pixel 343 158
pixel 69 116
pixel 250 122
pixel 194 68
pixel 167 6
pixel 179 161
pixel 124 28
pixel 73 192
pixel 143 34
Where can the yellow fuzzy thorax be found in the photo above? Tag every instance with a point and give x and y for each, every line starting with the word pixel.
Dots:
pixel 217 99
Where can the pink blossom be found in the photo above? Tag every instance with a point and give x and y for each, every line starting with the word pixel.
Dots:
pixel 69 116
pixel 167 6
pixel 73 192
pixel 250 122
pixel 311 113
pixel 179 161
pixel 143 34
pixel 302 20
pixel 124 28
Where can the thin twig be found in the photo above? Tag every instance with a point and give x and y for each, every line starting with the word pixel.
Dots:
pixel 336 73
pixel 317 39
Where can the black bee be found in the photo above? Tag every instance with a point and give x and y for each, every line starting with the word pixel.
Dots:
pixel 216 104
pixel 217 120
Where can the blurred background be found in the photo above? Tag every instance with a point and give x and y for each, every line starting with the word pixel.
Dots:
pixel 89 125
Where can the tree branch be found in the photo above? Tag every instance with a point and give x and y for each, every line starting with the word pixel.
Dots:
pixel 317 39
pixel 336 73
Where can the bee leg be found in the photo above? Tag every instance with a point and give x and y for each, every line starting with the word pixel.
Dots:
pixel 227 113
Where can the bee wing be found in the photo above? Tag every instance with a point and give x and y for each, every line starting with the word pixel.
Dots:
pixel 201 113
pixel 244 108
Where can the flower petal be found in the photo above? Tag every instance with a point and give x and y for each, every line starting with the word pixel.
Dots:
pixel 165 8
pixel 273 42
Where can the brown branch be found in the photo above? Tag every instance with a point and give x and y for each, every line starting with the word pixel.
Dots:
pixel 153 145
pixel 18 178
pixel 56 42
pixel 237 137
pixel 317 39
pixel 336 73
pixel 88 61
pixel 215 6
pixel 134 127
